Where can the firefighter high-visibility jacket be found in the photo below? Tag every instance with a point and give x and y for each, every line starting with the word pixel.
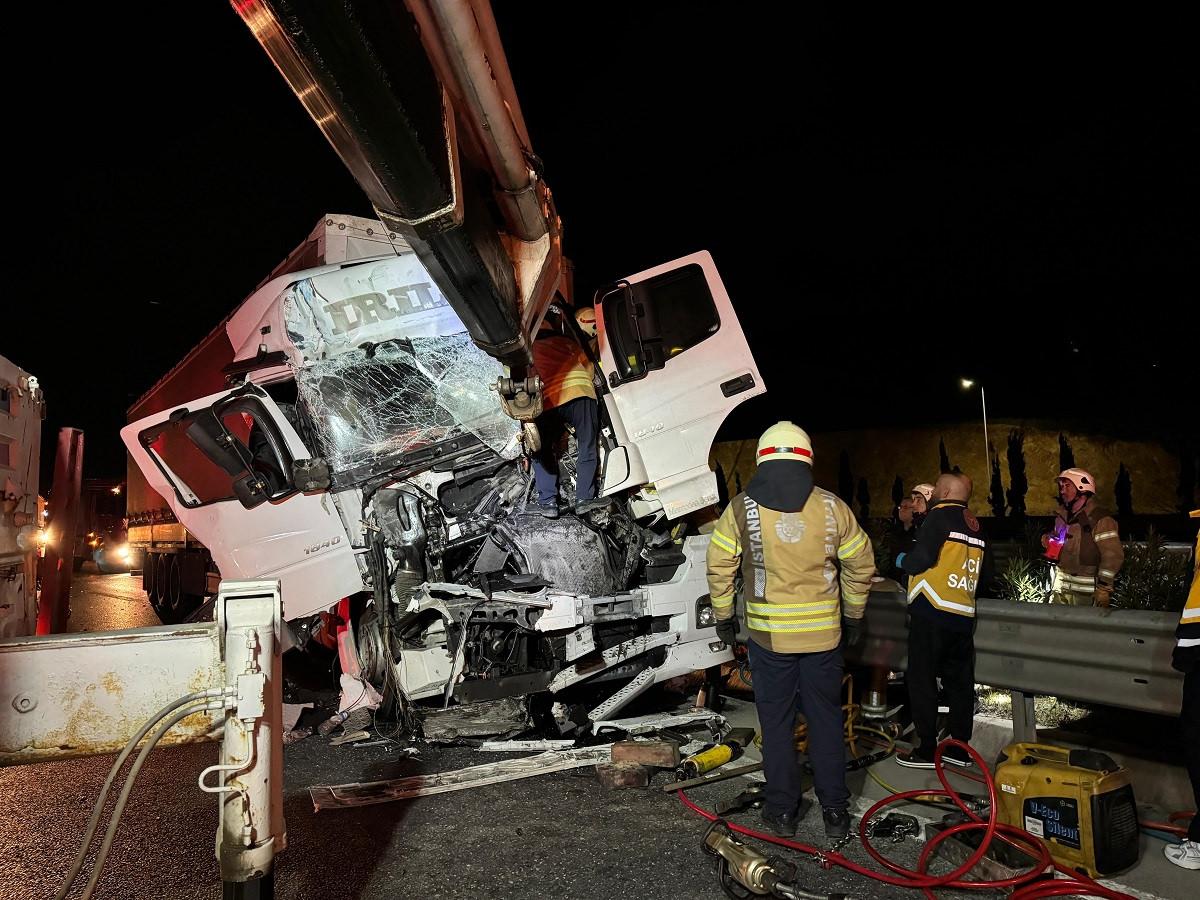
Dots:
pixel 1093 553
pixel 944 565
pixel 800 571
pixel 1187 635
pixel 564 368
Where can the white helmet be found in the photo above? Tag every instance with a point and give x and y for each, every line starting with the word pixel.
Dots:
pixel 586 317
pixel 784 440
pixel 1083 480
pixel 924 489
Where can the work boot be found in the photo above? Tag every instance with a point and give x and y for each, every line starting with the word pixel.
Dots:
pixel 586 506
pixel 784 824
pixel 1185 855
pixel 548 510
pixel 837 822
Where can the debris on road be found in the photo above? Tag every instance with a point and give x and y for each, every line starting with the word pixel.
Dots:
pixel 508 716
pixel 658 754
pixel 517 746
pixel 615 775
pixel 366 793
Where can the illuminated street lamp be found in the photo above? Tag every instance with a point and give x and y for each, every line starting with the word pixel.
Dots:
pixel 967 384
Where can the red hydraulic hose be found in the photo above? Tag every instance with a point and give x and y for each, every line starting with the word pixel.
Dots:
pixel 919 879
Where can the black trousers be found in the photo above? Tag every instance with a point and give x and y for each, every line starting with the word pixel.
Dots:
pixel 582 414
pixel 937 652
pixel 1189 723
pixel 813 682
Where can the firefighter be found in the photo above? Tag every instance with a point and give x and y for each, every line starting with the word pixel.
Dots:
pixel 905 522
pixel 569 398
pixel 943 568
pixel 805 567
pixel 1187 660
pixel 1088 547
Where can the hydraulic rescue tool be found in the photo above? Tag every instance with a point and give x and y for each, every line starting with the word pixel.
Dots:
pixel 715 755
pixel 757 874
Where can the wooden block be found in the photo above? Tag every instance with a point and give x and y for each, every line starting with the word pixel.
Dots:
pixel 658 754
pixel 622 775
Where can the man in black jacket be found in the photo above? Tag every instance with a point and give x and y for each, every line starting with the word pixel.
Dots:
pixel 944 568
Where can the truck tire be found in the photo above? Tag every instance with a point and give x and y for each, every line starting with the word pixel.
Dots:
pixel 171 604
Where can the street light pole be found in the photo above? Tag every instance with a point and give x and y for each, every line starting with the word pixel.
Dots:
pixel 987 447
pixel 967 384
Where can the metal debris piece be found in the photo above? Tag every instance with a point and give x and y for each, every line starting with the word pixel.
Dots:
pixel 658 721
pixel 366 793
pixel 540 600
pixel 349 737
pixel 506 716
pixel 507 746
pixel 711 777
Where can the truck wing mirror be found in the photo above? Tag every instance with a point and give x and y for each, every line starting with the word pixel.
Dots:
pixel 208 435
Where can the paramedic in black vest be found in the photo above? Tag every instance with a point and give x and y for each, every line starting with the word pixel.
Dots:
pixel 943 568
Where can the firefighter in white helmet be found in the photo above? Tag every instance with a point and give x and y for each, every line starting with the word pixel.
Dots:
pixel 805 567
pixel 1084 545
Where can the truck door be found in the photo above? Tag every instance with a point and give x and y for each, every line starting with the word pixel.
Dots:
pixel 677 363
pixel 224 465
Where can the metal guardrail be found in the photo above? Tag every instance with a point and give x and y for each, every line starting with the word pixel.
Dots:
pixel 1116 658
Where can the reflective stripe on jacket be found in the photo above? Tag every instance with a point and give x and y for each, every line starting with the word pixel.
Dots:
pixel 800 571
pixel 945 563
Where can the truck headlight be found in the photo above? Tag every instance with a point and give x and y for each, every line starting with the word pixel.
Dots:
pixel 705 616
pixel 123 553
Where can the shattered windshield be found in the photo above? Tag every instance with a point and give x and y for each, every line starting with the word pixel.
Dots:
pixel 372 405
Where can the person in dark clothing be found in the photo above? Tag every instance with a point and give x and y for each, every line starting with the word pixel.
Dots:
pixel 943 568
pixel 1186 659
pixel 906 521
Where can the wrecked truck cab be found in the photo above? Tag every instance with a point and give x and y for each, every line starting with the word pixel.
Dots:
pixel 361 450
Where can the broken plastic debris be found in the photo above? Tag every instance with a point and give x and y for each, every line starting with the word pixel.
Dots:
pixel 292 713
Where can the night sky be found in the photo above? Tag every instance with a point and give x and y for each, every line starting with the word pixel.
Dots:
pixel 893 203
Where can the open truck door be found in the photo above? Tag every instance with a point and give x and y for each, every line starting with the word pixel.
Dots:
pixel 226 464
pixel 677 363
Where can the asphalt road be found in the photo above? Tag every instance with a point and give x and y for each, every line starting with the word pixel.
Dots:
pixel 558 835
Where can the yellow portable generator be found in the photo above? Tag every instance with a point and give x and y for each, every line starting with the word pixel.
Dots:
pixel 1079 802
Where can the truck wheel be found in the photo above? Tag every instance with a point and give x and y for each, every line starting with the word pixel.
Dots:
pixel 160 578
pixel 173 596
pixel 159 592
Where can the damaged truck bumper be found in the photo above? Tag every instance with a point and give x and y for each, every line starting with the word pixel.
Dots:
pixel 631 640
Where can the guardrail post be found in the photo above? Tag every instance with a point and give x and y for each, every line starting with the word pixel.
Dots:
pixel 1023 718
